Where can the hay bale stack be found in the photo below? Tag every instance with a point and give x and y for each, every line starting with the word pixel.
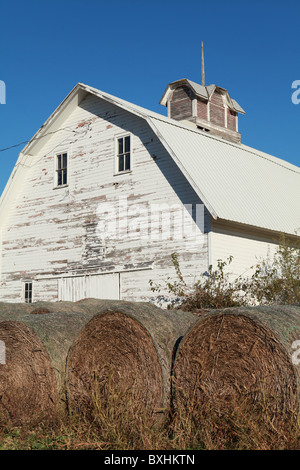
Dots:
pixel 49 329
pixel 241 355
pixel 124 355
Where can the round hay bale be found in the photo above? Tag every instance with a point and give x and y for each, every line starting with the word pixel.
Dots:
pixel 123 358
pixel 56 324
pixel 28 388
pixel 239 356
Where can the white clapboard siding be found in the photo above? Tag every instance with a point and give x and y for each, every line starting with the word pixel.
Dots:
pixel 247 249
pixel 51 232
pixel 104 286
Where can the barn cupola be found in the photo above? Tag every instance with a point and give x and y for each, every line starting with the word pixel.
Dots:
pixel 209 108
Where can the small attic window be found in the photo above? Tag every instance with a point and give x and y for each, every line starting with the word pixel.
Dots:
pixel 61 169
pixel 123 156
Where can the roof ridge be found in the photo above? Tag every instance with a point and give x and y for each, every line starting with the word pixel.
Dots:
pixel 246 148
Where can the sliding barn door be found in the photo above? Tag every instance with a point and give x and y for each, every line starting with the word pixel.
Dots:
pixel 102 286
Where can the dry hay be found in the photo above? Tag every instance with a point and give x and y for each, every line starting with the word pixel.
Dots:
pixel 239 358
pixel 122 358
pixel 40 311
pixel 49 329
pixel 115 354
pixel 28 389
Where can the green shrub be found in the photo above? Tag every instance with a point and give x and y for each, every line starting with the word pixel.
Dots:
pixel 213 290
pixel 278 281
pixel 275 281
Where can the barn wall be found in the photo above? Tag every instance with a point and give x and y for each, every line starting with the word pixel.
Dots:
pixel 247 246
pixel 52 232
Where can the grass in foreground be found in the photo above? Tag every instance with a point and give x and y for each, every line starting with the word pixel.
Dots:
pixel 237 429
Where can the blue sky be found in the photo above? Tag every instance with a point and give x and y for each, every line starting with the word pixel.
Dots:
pixel 133 49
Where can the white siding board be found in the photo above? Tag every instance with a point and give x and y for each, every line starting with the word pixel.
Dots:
pixel 247 249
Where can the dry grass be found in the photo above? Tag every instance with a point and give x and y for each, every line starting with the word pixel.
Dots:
pixel 115 425
pixel 241 425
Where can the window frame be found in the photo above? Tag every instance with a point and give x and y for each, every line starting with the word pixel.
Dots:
pixel 28 299
pixel 118 155
pixel 57 170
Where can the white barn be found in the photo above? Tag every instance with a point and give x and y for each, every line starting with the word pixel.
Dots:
pixel 106 191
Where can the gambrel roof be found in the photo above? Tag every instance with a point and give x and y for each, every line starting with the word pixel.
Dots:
pixel 236 183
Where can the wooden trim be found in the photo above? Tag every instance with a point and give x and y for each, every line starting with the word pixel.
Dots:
pixel 194 107
pixel 248 231
pixel 84 273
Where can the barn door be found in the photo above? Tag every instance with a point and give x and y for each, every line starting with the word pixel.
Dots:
pixel 102 286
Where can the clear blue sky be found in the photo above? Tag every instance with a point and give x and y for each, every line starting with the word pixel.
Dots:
pixel 133 49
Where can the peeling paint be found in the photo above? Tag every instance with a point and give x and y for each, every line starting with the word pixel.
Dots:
pixel 52 233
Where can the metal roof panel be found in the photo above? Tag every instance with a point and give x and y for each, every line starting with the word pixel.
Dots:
pixel 240 183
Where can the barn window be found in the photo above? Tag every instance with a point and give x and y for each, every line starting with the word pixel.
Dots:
pixel 123 154
pixel 27 292
pixel 61 169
